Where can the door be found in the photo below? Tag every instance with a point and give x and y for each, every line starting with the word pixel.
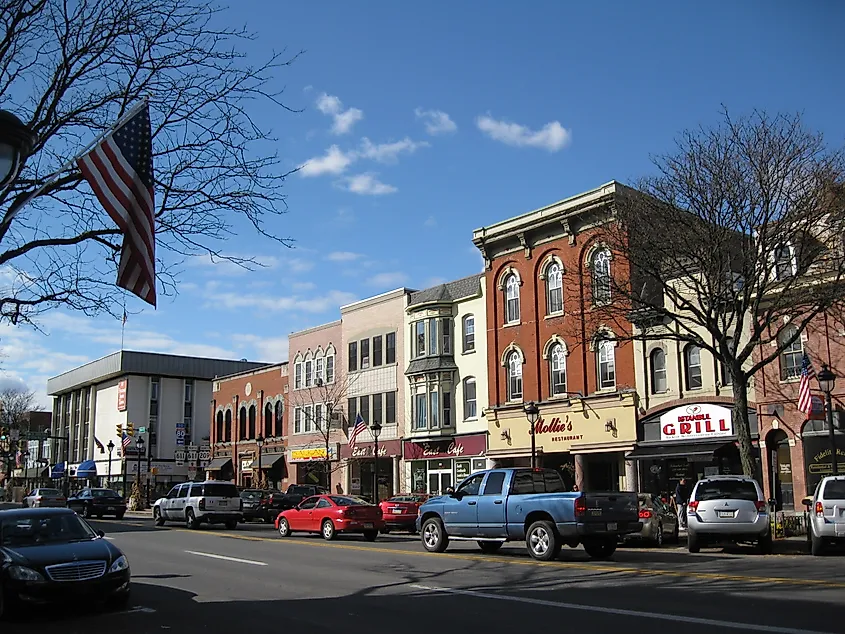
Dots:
pixel 167 502
pixel 491 506
pixel 439 482
pixel 460 513
pixel 77 503
pixel 300 519
pixel 177 508
pixel 322 509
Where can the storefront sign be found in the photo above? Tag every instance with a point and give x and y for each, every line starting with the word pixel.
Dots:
pixel 455 447
pixel 696 422
pixel 311 454
pixel 121 395
pixel 364 451
pixel 246 464
pixel 558 428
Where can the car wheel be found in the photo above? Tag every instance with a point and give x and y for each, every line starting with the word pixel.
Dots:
pixel 693 542
pixel 434 536
pixel 816 545
pixel 158 520
pixel 542 541
pixel 86 512
pixel 385 531
pixel 190 519
pixel 600 548
pixel 327 530
pixel 119 601
pixel 119 516
pixel 659 538
pixel 489 548
pixel 284 527
pixel 2 604
pixel 370 536
pixel 676 534
pixel 764 544
pixel 231 524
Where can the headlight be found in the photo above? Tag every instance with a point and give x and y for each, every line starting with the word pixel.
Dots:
pixel 119 564
pixel 21 573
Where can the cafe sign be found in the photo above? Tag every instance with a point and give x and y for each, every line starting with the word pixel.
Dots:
pixel 701 421
pixel 455 447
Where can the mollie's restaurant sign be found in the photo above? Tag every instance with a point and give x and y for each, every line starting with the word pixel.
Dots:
pixel 696 422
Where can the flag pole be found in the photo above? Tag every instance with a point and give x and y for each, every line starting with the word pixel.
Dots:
pixel 123 323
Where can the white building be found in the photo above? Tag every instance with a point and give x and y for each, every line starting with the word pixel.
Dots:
pixel 167 395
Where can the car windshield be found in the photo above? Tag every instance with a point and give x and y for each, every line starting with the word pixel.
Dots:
pixel 726 490
pixel 30 530
pixel 834 490
pixel 348 500
pixel 250 495
pixel 104 493
pixel 220 490
pixel 49 492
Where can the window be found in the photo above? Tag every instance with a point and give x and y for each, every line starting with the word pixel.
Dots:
pixel 218 428
pixel 514 377
pixel 419 337
pixel 297 420
pixel 308 376
pixel 495 481
pixel 377 350
pixel 378 400
pixel 792 355
pixel 727 379
pixel 447 409
pixel 659 384
pixel 318 417
pixel 364 408
pixel 432 337
pixel 472 486
pixel 601 277
pixel 251 430
pixel 692 367
pixel 469 333
pixel 447 336
pixel 784 262
pixel 607 364
pixel 529 482
pixel 330 369
pixel 242 423
pixel 308 418
pixel 189 390
pixel 434 409
pixel 470 403
pixel 512 300
pixel 298 376
pixel 280 408
pixel 310 503
pixel 390 344
pixel 154 388
pixel 554 289
pixel 268 420
pixel 353 356
pixel 352 410
pixel 323 504
pixel 557 366
pixel 227 432
pixel 390 408
pixel 420 421
pixel 319 370
pixel 365 353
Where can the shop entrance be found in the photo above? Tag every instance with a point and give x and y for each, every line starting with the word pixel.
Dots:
pixel 780 470
pixel 602 472
pixel 439 480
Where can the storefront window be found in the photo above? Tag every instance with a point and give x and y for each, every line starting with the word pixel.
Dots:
pixel 419 472
pixel 462 469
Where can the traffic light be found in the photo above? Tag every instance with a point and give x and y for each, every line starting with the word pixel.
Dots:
pixel 118 429
pixel 130 429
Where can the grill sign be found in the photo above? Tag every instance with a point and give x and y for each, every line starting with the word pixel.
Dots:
pixel 696 422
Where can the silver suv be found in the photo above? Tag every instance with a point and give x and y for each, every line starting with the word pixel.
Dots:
pixel 728 509
pixel 194 503
pixel 827 514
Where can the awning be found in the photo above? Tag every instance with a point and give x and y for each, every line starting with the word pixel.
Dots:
pixel 600 447
pixel 58 470
pixel 87 469
pixel 695 452
pixel 268 461
pixel 218 463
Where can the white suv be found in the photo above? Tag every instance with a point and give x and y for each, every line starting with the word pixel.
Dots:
pixel 194 503
pixel 728 509
pixel 827 514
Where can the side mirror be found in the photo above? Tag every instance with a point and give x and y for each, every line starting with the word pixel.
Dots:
pixel 808 501
pixel 100 534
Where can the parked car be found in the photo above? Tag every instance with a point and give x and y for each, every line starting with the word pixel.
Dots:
pixel 41 498
pixel 195 503
pixel 97 503
pixel 728 509
pixel 261 504
pixel 400 512
pixel 500 505
pixel 827 514
pixel 298 492
pixel 330 515
pixel 659 521
pixel 49 554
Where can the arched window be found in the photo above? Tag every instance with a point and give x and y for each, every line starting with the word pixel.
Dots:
pixel 252 413
pixel 512 299
pixel 469 333
pixel 606 362
pixel 514 376
pixel 242 424
pixel 692 367
pixel 554 289
pixel 557 369
pixel 218 429
pixel 601 277
pixel 792 355
pixel 227 432
pixel 268 421
pixel 280 408
pixel 470 398
pixel 659 384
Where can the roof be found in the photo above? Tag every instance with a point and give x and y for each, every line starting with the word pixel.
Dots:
pixel 449 292
pixel 147 364
pixel 25 512
pixel 431 364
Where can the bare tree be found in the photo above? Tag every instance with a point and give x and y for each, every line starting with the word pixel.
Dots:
pixel 71 69
pixel 735 245
pixel 15 405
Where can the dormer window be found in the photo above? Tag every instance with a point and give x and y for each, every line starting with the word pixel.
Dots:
pixel 785 265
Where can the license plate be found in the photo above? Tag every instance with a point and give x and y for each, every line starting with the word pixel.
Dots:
pixel 223 503
pixel 725 514
pixel 111 508
pixel 368 524
pixel 397 511
pixel 611 526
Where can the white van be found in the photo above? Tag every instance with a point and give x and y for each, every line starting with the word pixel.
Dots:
pixel 195 503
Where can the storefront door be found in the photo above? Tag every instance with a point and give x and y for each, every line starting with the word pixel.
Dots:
pixel 439 481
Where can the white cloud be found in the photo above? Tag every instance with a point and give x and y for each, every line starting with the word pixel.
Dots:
pixel 335 161
pixel 392 280
pixel 304 286
pixel 270 349
pixel 389 152
pixel 551 137
pixel 343 120
pixel 221 266
pixel 298 265
pixel 367 184
pixel 436 121
pixel 295 303
pixel 431 221
pixel 343 256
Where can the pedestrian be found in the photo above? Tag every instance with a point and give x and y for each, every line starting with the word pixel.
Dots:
pixel 339 489
pixel 575 488
pixel 682 494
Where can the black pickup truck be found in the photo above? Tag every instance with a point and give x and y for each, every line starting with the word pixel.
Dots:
pixel 298 492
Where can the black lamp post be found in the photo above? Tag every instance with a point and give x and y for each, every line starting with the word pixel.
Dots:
pixel 16 141
pixel 375 429
pixel 533 413
pixel 259 442
pixel 827 381
pixel 139 444
pixel 110 447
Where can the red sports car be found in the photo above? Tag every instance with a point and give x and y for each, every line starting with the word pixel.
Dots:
pixel 330 515
pixel 400 512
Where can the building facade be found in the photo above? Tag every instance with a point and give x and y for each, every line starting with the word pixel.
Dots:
pixel 446 384
pixel 167 396
pixel 249 426
pixel 546 271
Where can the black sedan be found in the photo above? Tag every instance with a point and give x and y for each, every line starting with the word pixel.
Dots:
pixel 52 555
pixel 97 503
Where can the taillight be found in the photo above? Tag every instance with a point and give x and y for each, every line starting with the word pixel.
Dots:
pixel 202 504
pixel 693 507
pixel 761 506
pixel 644 515
pixel 38 498
pixel 819 509
pixel 61 500
pixel 580 506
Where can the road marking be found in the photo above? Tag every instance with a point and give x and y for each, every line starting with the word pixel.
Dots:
pixel 748 627
pixel 225 558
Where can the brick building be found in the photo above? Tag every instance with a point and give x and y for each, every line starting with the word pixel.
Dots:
pixel 547 269
pixel 248 409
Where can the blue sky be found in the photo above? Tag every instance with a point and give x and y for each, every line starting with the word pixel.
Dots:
pixel 420 124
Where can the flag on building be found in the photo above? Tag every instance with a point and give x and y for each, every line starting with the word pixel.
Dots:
pixel 120 171
pixel 360 426
pixel 805 398
pixel 99 445
pixel 125 442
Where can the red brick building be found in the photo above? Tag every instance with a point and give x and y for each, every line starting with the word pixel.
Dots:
pixel 248 409
pixel 548 271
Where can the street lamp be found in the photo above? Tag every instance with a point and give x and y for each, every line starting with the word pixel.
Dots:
pixel 827 381
pixel 259 442
pixel 16 141
pixel 139 444
pixel 110 447
pixel 375 429
pixel 533 413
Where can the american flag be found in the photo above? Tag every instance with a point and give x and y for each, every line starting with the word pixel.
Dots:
pixel 805 399
pixel 360 426
pixel 120 171
pixel 125 442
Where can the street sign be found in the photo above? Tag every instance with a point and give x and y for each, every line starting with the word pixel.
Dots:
pixel 205 454
pixel 37 435
pixel 179 454
pixel 142 430
pixel 192 453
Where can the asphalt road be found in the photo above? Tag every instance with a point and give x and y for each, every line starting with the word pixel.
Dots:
pixel 250 580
